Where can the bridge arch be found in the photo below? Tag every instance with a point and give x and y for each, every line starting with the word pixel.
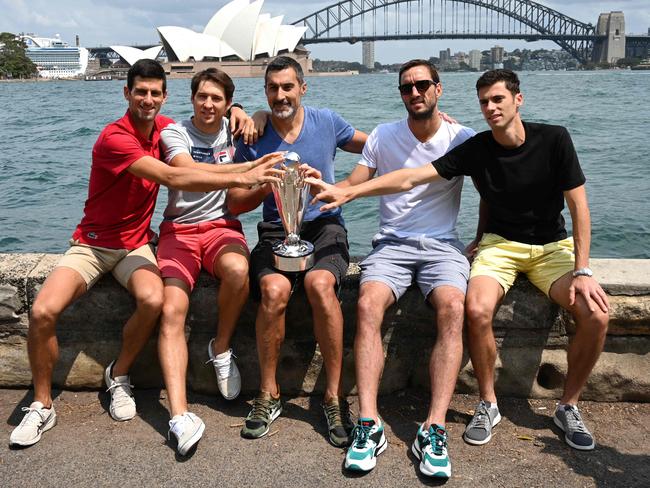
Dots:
pixel 527 20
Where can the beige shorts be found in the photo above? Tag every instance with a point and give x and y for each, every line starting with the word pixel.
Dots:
pixel 93 262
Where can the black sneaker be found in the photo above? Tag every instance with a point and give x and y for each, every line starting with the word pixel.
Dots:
pixel 339 425
pixel 264 411
pixel 576 434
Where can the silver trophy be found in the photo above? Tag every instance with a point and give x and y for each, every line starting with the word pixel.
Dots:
pixel 291 197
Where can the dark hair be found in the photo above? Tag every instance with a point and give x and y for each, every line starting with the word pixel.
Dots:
pixel 216 76
pixel 493 76
pixel 283 62
pixel 146 68
pixel 419 62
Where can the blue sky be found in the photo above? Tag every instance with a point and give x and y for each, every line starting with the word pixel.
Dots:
pixel 130 21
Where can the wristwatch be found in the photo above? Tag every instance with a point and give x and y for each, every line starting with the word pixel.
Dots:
pixel 583 272
pixel 228 112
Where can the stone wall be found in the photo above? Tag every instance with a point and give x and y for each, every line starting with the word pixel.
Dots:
pixel 532 335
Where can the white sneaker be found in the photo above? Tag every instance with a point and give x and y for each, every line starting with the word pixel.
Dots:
pixel 228 377
pixel 37 420
pixel 122 401
pixel 188 430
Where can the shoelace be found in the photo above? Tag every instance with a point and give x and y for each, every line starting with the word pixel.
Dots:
pixel 437 444
pixel 30 419
pixel 121 393
pixel 361 434
pixel 481 419
pixel 574 420
pixel 334 413
pixel 223 366
pixel 261 408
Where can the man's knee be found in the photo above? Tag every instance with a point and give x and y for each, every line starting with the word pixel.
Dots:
pixel 597 321
pixel 173 317
pixel 149 297
pixel 320 286
pixel 450 315
pixel 233 271
pixel 275 294
pixel 479 313
pixel 44 315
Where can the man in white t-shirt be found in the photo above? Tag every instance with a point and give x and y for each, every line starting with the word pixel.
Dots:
pixel 417 242
pixel 198 232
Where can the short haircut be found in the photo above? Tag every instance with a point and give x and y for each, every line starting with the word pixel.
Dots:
pixel 419 62
pixel 215 76
pixel 493 76
pixel 283 62
pixel 146 68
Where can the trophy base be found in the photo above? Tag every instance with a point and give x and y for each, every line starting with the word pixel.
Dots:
pixel 293 259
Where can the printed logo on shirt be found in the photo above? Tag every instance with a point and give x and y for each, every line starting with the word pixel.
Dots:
pixel 91 235
pixel 225 156
pixel 202 154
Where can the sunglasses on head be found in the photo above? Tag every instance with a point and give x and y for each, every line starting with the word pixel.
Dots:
pixel 421 86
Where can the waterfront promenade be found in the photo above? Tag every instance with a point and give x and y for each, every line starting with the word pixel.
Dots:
pixel 88 448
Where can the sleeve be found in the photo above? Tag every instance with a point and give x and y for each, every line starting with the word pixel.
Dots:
pixel 461 160
pixel 570 173
pixel 343 131
pixel 116 152
pixel 173 142
pixel 244 152
pixel 369 153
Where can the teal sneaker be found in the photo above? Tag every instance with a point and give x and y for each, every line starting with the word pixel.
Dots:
pixel 265 410
pixel 430 447
pixel 368 442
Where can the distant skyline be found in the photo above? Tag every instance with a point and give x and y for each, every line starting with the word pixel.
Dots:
pixel 128 22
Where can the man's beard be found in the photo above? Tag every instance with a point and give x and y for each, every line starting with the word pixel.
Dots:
pixel 421 115
pixel 283 111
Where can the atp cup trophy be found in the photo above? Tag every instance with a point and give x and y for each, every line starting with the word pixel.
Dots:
pixel 291 197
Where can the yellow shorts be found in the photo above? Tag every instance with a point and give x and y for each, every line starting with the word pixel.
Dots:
pixel 503 260
pixel 92 262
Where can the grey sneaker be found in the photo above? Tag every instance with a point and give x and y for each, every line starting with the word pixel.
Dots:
pixel 122 401
pixel 228 377
pixel 576 434
pixel 187 429
pixel 339 425
pixel 37 420
pixel 479 429
pixel 265 410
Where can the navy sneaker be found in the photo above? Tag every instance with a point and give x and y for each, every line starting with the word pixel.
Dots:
pixel 576 434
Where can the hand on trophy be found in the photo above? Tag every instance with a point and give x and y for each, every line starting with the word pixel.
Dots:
pixel 263 171
pixel 325 192
pixel 307 171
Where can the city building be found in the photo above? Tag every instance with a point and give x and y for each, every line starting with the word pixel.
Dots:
pixel 475 59
pixel 496 57
pixel 368 54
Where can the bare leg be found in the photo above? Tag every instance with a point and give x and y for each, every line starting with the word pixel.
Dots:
pixel 586 345
pixel 374 299
pixel 147 288
pixel 270 327
pixel 328 326
pixel 447 353
pixel 231 266
pixel 60 289
pixel 483 296
pixel 172 348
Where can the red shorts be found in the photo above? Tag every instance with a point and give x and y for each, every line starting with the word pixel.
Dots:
pixel 184 248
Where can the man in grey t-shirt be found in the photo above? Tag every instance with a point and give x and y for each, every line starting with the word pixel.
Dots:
pixel 199 232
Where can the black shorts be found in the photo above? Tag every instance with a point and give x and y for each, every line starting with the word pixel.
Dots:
pixel 330 240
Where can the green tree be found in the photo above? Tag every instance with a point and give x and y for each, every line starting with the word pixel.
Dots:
pixel 14 63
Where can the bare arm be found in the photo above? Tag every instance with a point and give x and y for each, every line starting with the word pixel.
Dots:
pixel 472 247
pixel 394 182
pixel 355 145
pixel 358 175
pixel 241 200
pixel 184 160
pixel 241 125
pixel 585 286
pixel 197 180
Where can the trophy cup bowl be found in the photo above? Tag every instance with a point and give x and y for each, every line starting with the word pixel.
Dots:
pixel 291 197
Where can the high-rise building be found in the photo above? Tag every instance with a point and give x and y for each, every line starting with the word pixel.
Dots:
pixel 496 54
pixel 475 59
pixel 445 55
pixel 368 54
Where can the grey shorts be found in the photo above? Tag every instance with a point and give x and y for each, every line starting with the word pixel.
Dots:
pixel 428 262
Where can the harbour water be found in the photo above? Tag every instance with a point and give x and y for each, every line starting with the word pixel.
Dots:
pixel 48 130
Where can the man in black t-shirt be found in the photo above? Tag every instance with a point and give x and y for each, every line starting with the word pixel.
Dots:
pixel 524 172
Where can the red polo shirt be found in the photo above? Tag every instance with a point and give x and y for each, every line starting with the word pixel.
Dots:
pixel 120 205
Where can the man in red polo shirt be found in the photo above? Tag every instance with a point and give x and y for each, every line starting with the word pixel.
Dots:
pixel 114 236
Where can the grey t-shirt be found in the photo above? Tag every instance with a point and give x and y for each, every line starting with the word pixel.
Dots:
pixel 187 207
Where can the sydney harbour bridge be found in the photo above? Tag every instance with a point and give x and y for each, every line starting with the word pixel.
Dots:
pixel 378 20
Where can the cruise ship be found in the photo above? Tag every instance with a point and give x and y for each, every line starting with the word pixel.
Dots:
pixel 55 58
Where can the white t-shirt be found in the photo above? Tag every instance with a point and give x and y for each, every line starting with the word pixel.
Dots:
pixel 188 207
pixel 427 210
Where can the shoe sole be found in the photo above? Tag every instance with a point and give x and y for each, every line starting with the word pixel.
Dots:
pixel 48 425
pixel 268 427
pixel 356 467
pixel 558 422
pixel 474 442
pixel 444 473
pixel 182 450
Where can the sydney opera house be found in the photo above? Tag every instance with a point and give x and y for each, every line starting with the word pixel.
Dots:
pixel 238 38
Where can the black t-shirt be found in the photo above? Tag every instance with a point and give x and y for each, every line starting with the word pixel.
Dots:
pixel 522 187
